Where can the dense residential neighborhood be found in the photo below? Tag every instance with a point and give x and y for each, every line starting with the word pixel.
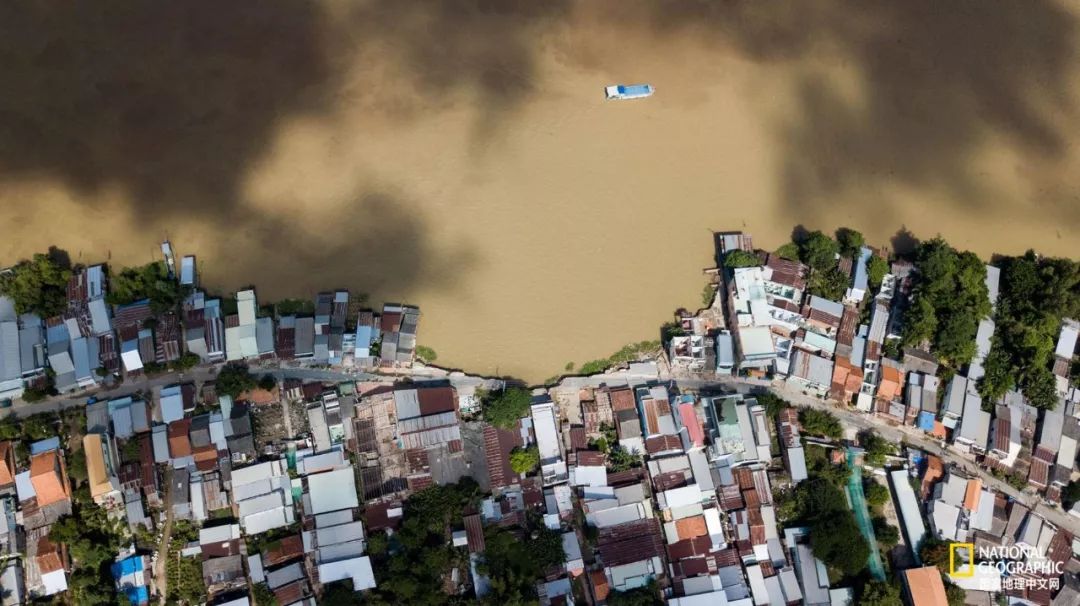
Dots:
pixel 821 432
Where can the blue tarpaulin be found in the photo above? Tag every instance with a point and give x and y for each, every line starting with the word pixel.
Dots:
pixel 926 421
pixel 127 566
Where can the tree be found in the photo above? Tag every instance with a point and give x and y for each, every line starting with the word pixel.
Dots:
pixel 620 459
pixel 954 594
pixel 1071 494
pixel 876 269
pixel 773 404
pixel 839 543
pixel 935 552
pixel 263 595
pixel 818 251
pixel 38 285
pixel 886 534
pixel 789 251
pixel 649 595
pixel 504 408
pixel 187 360
pixel 741 258
pixel 34 394
pixel 150 281
pixel 818 422
pixel 267 382
pixel 234 379
pixel 876 494
pixel 829 283
pixel 877 448
pixel 524 460
pixel 880 593
pixel 850 242
pixel 76 466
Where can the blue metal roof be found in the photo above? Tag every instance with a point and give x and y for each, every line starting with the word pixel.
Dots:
pixel 127 566
pixel 926 421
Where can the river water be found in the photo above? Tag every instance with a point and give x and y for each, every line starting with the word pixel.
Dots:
pixel 461 157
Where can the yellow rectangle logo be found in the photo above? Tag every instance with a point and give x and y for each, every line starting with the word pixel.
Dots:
pixel 954 560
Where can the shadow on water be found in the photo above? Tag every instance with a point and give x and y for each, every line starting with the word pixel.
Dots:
pixel 174 102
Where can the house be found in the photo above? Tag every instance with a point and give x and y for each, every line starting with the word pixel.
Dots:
pixel 1064 354
pixel 810 372
pixel 910 513
pixel 953 405
pixel 100 471
pixel 823 315
pixel 48 477
pixel 552 466
pixel 262 495
pixel 737 436
pixel 241 339
pixel 45 570
pixel 975 424
pixel 171 402
pixel 789 430
pixel 924 587
pixel 132 575
pixel 12 586
pixel 204 326
pixel 398 325
pixel 860 281
pixel 358 570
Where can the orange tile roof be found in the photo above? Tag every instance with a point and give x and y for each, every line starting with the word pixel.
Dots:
pixel 934 472
pixel 46 477
pixel 926 587
pixel 692 527
pixel 179 443
pixel 971 497
pixel 600 584
pixel 7 473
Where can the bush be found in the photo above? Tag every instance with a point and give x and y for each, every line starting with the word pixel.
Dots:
pixel 267 382
pixel 829 283
pixel 887 535
pixel 524 460
pixel 426 354
pixel 150 281
pixel 839 543
pixel 880 593
pixel 876 269
pixel 620 459
pixel 789 251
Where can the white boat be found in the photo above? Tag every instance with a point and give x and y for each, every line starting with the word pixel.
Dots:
pixel 628 91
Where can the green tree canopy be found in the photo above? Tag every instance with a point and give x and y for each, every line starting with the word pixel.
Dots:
pixel 38 285
pixel 649 595
pixel 829 283
pixel 234 379
pixel 822 423
pixel 504 408
pixel 876 269
pixel 818 251
pixel 773 404
pixel 950 298
pixel 850 242
pixel 887 535
pixel 839 543
pixel 524 460
pixel 880 593
pixel 741 258
pixel 150 281
pixel 789 251
pixel 876 494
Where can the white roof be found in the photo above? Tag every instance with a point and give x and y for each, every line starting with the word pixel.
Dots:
pixel 357 569
pixel 130 356
pixel 187 270
pixel 910 515
pixel 99 317
pixel 24 487
pixel 616 515
pixel 993 276
pixel 246 307
pixel 172 404
pixel 219 534
pixel 267 520
pixel 797 463
pixel 332 490
pixel 1066 344
pixel 547 435
pixel 680 497
pixel 407 402
pixel 590 475
pixel 54 582
pixel 259 471
pixel 1067 452
pixel 975 424
pixel 756 341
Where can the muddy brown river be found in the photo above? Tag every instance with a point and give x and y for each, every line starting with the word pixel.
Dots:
pixel 461 156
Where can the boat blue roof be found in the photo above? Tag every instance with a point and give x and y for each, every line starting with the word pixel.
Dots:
pixel 633 89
